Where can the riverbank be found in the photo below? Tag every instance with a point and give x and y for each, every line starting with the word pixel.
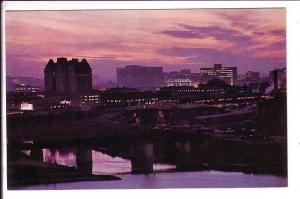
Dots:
pixel 24 172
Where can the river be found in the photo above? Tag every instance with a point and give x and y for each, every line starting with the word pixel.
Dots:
pixel 164 175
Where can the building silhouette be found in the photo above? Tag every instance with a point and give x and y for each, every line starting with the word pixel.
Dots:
pixel 252 76
pixel 184 77
pixel 278 77
pixel 135 76
pixel 68 76
pixel 227 74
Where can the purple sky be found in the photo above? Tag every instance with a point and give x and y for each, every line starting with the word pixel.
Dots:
pixel 251 39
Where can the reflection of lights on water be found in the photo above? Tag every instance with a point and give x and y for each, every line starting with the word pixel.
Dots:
pixel 57 157
pixel 102 163
pixel 105 164
pixel 26 152
pixel 28 142
pixel 162 167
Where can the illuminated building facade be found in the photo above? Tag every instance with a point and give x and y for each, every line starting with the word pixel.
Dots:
pixel 127 97
pixel 68 76
pixel 227 74
pixel 178 82
pixel 23 88
pixel 181 78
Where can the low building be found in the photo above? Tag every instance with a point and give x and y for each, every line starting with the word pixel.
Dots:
pixel 23 88
pixel 128 97
pixel 182 78
pixel 227 74
pixel 214 89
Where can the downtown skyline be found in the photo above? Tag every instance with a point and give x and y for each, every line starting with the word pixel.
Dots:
pixel 250 39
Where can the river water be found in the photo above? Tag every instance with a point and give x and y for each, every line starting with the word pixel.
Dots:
pixel 204 179
pixel 164 175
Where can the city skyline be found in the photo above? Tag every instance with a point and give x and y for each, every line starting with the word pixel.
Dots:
pixel 196 92
pixel 249 39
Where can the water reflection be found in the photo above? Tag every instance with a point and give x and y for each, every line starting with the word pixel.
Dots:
pixel 200 157
pixel 105 164
pixel 182 155
pixel 92 161
pixel 163 167
pixel 60 157
pixel 26 152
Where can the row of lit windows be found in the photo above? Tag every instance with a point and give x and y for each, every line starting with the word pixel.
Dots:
pixel 27 89
pixel 150 102
pixel 91 99
pixel 230 99
pixel 207 90
pixel 179 80
pixel 179 84
pixel 22 89
pixel 132 100
pixel 206 70
pixel 223 70
pixel 203 101
pixel 91 96
pixel 226 105
pixel 59 106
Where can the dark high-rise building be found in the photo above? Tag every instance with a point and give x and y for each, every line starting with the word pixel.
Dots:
pixel 135 76
pixel 227 74
pixel 68 76
pixel 278 77
pixel 252 76
pixel 281 77
pixel 275 79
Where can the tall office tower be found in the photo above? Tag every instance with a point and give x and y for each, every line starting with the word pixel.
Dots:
pixel 280 79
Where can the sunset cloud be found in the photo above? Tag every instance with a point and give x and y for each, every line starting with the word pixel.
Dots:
pixel 251 39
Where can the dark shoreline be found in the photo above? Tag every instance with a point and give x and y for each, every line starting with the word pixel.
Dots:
pixel 24 172
pixel 19 184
